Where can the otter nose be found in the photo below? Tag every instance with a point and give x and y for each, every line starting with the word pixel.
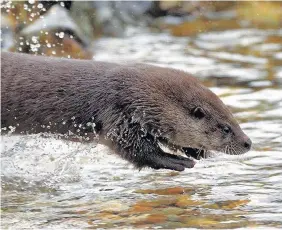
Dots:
pixel 247 143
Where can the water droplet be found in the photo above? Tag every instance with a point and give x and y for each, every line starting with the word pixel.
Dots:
pixel 34 39
pixel 61 34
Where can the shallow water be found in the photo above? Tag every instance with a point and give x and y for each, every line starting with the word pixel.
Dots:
pixel 50 183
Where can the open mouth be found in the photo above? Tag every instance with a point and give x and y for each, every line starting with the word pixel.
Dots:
pixel 170 148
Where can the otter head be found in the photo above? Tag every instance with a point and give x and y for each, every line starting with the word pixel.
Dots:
pixel 195 121
pixel 159 107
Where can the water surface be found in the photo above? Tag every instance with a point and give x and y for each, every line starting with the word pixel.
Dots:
pixel 51 183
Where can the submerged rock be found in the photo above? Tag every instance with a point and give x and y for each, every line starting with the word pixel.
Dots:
pixel 55 33
pixel 185 201
pixel 114 207
pixel 57 18
pixel 165 191
pixel 155 219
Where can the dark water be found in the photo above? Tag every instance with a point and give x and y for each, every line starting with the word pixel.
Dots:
pixel 50 183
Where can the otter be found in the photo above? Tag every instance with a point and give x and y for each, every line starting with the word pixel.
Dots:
pixel 135 109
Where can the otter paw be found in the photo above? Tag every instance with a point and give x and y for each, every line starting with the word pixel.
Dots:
pixel 172 162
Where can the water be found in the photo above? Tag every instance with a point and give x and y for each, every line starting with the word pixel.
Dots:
pixel 51 183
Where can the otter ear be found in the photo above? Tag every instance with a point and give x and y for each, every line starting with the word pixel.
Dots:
pixel 198 112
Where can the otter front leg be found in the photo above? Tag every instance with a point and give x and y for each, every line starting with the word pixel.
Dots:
pixel 141 148
pixel 168 161
pixel 148 154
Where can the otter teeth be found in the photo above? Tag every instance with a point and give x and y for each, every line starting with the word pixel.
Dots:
pixel 166 148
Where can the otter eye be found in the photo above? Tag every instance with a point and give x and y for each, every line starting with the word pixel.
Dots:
pixel 198 112
pixel 226 129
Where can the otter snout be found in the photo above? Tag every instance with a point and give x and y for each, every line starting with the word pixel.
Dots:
pixel 244 144
pixel 247 143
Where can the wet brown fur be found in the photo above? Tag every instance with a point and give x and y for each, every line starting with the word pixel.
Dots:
pixel 131 106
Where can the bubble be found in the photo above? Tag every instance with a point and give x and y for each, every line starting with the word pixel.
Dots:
pixel 31 1
pixel 40 6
